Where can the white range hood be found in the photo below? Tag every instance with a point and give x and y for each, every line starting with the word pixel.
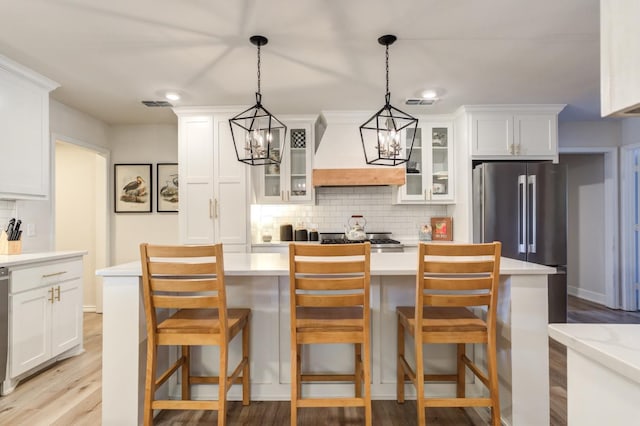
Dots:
pixel 339 158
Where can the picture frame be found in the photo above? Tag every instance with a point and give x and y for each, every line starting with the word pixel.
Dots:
pixel 442 229
pixel 132 188
pixel 167 197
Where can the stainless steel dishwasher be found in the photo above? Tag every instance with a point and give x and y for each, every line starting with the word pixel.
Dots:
pixel 4 322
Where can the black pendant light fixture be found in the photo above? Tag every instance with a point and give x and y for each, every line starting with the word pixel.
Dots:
pixel 256 131
pixel 386 138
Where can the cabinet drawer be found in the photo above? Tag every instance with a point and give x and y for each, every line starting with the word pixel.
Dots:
pixel 43 274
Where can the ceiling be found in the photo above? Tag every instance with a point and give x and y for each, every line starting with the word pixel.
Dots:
pixel 108 56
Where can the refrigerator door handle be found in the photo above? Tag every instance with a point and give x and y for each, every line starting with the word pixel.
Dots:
pixel 522 214
pixel 531 181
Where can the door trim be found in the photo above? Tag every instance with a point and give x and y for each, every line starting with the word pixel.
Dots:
pixel 627 202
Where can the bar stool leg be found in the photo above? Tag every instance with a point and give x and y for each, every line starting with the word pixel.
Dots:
pixel 295 381
pixel 460 383
pixel 186 372
pixel 222 385
pixel 399 366
pixel 150 385
pixel 492 368
pixel 358 369
pixel 246 385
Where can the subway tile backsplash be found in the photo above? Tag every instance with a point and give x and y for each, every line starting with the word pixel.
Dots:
pixel 335 205
pixel 7 211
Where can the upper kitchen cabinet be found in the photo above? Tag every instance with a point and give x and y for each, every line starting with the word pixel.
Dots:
pixel 514 132
pixel 289 181
pixel 24 131
pixel 619 58
pixel 213 184
pixel 429 171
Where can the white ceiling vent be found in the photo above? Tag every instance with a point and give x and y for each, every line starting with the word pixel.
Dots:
pixel 420 101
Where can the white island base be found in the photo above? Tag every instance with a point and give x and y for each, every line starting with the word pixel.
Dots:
pixel 603 372
pixel 260 282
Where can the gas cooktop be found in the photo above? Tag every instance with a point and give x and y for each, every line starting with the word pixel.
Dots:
pixel 381 242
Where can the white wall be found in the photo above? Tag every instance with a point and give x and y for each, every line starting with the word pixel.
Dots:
pixel 74 124
pixel 589 134
pixel 142 144
pixel 630 131
pixel 586 240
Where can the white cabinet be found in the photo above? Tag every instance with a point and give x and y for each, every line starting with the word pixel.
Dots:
pixel 290 181
pixel 24 130
pixel 45 320
pixel 620 58
pixel 429 171
pixel 514 131
pixel 213 184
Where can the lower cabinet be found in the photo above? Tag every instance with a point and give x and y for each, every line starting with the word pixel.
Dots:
pixel 45 317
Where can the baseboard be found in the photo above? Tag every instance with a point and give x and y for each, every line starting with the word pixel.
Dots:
pixel 591 296
pixel 89 308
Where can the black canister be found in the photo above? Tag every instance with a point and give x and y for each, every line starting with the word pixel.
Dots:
pixel 301 235
pixel 286 232
pixel 314 236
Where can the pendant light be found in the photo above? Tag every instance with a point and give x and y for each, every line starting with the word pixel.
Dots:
pixel 256 132
pixel 387 137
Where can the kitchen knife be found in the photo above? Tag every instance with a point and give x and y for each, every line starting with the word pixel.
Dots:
pixel 10 228
pixel 16 231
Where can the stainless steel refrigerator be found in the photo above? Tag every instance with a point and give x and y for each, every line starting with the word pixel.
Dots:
pixel 524 205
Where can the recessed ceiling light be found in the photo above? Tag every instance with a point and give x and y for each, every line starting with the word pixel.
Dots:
pixel 430 94
pixel 172 96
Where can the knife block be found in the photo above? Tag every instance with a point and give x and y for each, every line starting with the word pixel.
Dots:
pixel 9 247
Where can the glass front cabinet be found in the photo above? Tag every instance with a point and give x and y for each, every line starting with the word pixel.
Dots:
pixel 289 181
pixel 429 171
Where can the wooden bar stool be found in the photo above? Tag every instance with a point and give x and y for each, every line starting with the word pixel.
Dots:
pixel 329 292
pixel 189 280
pixel 450 279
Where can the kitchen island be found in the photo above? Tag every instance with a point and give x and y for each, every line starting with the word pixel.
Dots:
pixel 260 281
pixel 603 372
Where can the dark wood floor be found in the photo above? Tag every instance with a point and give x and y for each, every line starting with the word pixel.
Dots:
pixel 68 393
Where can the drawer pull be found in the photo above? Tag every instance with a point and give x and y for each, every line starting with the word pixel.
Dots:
pixel 51 293
pixel 58 296
pixel 54 274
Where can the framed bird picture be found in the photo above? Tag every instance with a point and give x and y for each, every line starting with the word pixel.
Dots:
pixel 132 188
pixel 167 187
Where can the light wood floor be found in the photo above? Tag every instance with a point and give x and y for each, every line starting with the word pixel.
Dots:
pixel 68 393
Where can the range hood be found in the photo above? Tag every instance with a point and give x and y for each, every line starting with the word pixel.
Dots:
pixel 339 158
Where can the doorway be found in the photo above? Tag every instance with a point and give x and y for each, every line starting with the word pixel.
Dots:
pixel 80 210
pixel 593 239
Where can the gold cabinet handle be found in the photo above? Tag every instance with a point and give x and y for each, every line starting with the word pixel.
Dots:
pixel 215 208
pixel 288 199
pixel 210 208
pixel 51 295
pixel 54 274
pixel 282 195
pixel 58 296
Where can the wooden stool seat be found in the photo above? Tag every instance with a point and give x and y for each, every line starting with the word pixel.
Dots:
pixel 188 281
pixel 451 279
pixel 204 321
pixel 329 302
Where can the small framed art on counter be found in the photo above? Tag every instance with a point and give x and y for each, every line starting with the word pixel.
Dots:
pixel 442 228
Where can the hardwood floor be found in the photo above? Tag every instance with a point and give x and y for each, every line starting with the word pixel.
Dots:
pixel 69 392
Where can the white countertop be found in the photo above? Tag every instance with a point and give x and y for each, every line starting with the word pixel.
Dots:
pixel 277 264
pixel 615 346
pixel 25 258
